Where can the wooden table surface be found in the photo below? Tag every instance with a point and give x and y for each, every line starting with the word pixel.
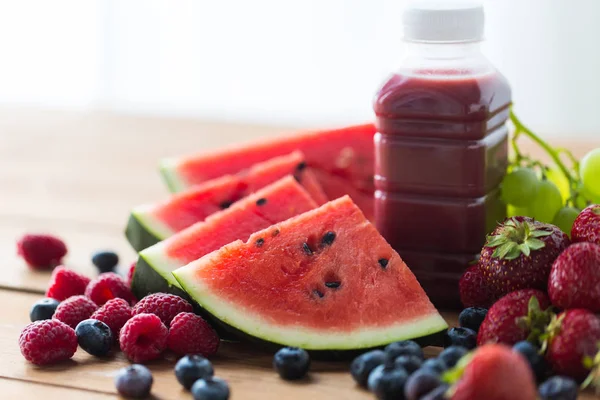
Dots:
pixel 77 175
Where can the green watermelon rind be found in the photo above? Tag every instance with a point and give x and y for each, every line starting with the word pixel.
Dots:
pixel 143 230
pixel 146 280
pixel 154 258
pixel 259 329
pixel 168 170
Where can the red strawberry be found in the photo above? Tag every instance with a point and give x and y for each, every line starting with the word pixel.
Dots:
pixel 493 372
pixel 515 317
pixel 519 254
pixel 572 337
pixel 41 251
pixel 575 278
pixel 472 288
pixel 586 227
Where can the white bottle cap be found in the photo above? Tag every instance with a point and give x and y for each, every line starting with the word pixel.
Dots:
pixel 443 21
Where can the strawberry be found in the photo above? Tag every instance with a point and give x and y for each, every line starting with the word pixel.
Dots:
pixel 517 316
pixel 492 372
pixel 586 227
pixel 571 338
pixel 473 292
pixel 575 278
pixel 519 254
pixel 593 379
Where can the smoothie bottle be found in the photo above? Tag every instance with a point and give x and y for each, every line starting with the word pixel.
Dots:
pixel 441 146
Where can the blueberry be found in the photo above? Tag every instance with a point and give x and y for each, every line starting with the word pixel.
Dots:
pixel 452 354
pixel 134 381
pixel 420 383
pixel 464 337
pixel 362 366
pixel 437 394
pixel 472 317
pixel 387 382
pixel 404 348
pixel 558 388
pixel 409 363
pixel 105 261
pixel 95 337
pixel 43 309
pixel 534 358
pixel 191 368
pixel 435 365
pixel 291 363
pixel 210 389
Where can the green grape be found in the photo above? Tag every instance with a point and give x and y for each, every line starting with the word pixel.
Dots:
pixel 564 219
pixel 589 169
pixel 519 187
pixel 546 203
pixel 514 211
pixel 555 175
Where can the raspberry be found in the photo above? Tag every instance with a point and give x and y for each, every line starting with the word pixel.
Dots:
pixel 41 251
pixel 190 334
pixel 47 341
pixel 108 286
pixel 114 313
pixel 143 338
pixel 166 306
pixel 65 283
pixel 74 310
pixel 130 273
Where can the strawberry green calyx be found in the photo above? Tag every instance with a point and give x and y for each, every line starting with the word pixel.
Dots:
pixel 551 331
pixel 537 322
pixel 593 379
pixel 453 375
pixel 516 238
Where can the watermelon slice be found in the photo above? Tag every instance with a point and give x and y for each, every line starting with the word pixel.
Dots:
pixel 149 224
pixel 323 280
pixel 274 203
pixel 343 160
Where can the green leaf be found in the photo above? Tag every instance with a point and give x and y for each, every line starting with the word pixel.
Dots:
pixel 535 244
pixel 525 249
pixel 503 250
pixel 540 233
pixel 496 241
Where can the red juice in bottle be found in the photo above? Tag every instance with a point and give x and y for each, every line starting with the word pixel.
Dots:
pixel 441 146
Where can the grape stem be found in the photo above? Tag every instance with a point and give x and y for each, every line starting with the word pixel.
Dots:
pixel 521 129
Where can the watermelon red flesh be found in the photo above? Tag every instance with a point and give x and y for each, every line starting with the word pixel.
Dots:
pixel 280 286
pixel 195 204
pixel 346 153
pixel 274 203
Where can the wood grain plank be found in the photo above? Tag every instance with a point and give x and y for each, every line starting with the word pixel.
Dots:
pixel 15 389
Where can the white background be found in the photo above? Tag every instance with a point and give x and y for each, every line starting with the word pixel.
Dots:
pixel 296 62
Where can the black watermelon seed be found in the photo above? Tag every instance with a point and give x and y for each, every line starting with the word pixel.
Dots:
pixel 261 202
pixel 225 204
pixel 328 239
pixel 260 242
pixel 307 249
pixel 301 166
pixel 383 262
pixel 318 293
pixel 275 232
pixel 333 285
